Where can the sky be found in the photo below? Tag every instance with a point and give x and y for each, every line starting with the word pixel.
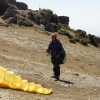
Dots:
pixel 83 14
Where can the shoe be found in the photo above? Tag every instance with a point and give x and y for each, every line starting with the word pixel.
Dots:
pixel 57 77
pixel 53 76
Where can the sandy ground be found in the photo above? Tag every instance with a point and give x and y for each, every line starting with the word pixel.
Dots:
pixel 22 50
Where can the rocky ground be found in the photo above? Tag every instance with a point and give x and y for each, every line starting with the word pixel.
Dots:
pixel 22 50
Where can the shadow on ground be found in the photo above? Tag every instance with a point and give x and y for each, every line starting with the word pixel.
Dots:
pixel 67 82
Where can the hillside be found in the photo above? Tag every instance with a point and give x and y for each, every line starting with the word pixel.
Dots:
pixel 22 50
pixel 17 13
pixel 24 38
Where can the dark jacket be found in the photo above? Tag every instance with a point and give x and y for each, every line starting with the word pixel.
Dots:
pixel 55 47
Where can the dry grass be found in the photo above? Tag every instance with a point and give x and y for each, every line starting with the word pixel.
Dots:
pixel 22 50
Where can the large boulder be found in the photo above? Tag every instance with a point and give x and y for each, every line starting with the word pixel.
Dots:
pixel 11 20
pixel 9 13
pixel 12 1
pixel 20 5
pixel 37 18
pixel 64 20
pixel 14 7
pixel 30 15
pixel 72 41
pixel 21 22
pixel 44 18
pixel 3 6
pixel 50 27
pixel 19 17
pixel 97 39
pixel 93 41
pixel 25 23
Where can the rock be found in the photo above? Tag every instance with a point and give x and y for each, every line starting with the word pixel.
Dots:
pixel 1 24
pixel 21 22
pixel 43 21
pixel 30 16
pixel 20 5
pixel 97 39
pixel 12 1
pixel 19 17
pixel 37 18
pixel 6 25
pixel 9 13
pixel 11 20
pixel 50 27
pixel 30 13
pixel 25 22
pixel 44 18
pixel 3 6
pixel 42 27
pixel 76 74
pixel 64 20
pixel 14 7
pixel 72 41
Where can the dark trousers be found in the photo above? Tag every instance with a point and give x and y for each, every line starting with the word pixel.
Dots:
pixel 56 65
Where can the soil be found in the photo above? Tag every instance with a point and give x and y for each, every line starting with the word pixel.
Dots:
pixel 23 51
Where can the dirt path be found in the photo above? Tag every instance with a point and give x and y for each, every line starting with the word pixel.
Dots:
pixel 22 50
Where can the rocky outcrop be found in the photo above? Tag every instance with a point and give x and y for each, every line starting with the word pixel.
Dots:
pixel 3 6
pixel 11 20
pixel 49 27
pixel 97 39
pixel 44 18
pixel 9 13
pixel 37 18
pixel 13 16
pixel 50 21
pixel 20 5
pixel 64 20
pixel 12 1
pixel 20 20
pixel 30 15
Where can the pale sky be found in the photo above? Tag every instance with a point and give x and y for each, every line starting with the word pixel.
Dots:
pixel 83 14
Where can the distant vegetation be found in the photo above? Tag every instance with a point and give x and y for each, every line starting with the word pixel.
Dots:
pixel 50 12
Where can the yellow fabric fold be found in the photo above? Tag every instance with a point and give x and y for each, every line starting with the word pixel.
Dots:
pixel 9 79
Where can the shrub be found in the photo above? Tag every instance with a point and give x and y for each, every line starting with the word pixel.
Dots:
pixel 93 41
pixel 84 42
pixel 61 26
pixel 54 18
pixel 77 39
pixel 81 33
pixel 29 23
pixel 64 32
pixel 50 12
pixel 55 26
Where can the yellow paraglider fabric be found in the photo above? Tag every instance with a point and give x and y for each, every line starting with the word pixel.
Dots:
pixel 10 80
